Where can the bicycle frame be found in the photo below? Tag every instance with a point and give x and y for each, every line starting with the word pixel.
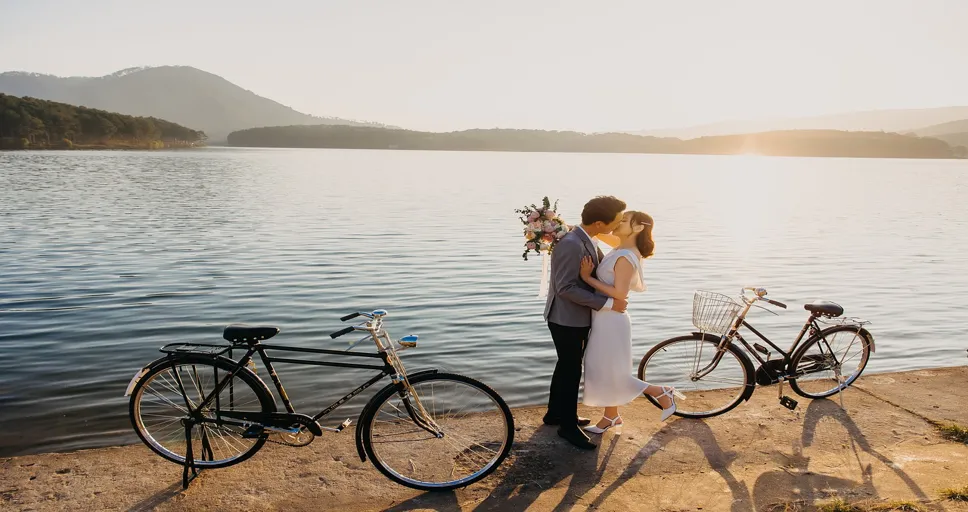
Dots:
pixel 756 349
pixel 386 352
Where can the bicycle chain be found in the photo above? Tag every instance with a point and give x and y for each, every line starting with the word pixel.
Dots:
pixel 278 438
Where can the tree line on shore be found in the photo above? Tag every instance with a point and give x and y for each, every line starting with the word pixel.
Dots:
pixel 833 143
pixel 33 123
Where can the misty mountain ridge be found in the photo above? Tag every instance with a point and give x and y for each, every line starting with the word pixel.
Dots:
pixel 182 94
pixel 888 120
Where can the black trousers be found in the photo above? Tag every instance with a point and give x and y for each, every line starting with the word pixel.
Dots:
pixel 570 345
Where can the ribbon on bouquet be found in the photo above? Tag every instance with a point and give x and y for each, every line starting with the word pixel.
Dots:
pixel 545 267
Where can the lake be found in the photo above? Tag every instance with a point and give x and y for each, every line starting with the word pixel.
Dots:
pixel 106 256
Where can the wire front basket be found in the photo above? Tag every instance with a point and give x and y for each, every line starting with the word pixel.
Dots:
pixel 714 312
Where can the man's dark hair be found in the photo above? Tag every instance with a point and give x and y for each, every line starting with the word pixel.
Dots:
pixel 602 208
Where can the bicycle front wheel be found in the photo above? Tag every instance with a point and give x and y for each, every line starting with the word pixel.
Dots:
pixel 158 406
pixel 830 361
pixel 476 430
pixel 712 383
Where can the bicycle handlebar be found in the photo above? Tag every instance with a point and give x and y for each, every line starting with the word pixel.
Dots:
pixel 761 295
pixel 776 303
pixel 341 332
pixel 349 317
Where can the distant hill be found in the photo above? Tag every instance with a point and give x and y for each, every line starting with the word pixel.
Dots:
pixel 180 94
pixel 954 139
pixel 900 120
pixel 780 143
pixel 960 126
pixel 30 123
pixel 955 133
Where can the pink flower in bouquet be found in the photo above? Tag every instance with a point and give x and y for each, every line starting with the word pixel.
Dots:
pixel 549 227
pixel 550 214
pixel 530 246
pixel 534 216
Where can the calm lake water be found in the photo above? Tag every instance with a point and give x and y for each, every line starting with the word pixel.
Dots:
pixel 106 256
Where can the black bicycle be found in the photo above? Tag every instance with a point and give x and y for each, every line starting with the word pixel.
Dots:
pixel 714 373
pixel 429 430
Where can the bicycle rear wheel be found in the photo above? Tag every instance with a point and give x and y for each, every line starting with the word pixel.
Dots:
pixel 680 361
pixel 476 425
pixel 158 406
pixel 830 361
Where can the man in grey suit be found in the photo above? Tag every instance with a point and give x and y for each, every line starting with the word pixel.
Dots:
pixel 568 312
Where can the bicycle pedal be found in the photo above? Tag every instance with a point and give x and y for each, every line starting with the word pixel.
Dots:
pixel 788 402
pixel 340 427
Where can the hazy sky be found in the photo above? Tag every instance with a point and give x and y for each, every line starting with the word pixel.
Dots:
pixel 553 64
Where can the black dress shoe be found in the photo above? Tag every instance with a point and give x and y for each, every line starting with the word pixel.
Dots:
pixel 576 437
pixel 551 420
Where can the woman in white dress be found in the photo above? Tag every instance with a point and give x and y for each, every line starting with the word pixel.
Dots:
pixel 609 382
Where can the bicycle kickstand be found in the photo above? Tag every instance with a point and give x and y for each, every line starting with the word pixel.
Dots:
pixel 190 456
pixel 840 384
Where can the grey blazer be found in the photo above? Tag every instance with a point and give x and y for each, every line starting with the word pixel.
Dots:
pixel 570 299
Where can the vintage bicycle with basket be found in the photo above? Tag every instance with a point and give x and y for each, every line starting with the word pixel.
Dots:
pixel 715 374
pixel 429 430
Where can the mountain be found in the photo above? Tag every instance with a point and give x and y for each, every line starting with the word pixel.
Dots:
pixel 954 139
pixel 778 143
pixel 943 128
pixel 899 120
pixel 180 94
pixel 955 133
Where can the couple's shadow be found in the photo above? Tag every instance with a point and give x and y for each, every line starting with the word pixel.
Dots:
pixel 543 461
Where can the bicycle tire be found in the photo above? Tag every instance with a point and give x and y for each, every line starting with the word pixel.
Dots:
pixel 393 390
pixel 796 359
pixel 257 387
pixel 743 393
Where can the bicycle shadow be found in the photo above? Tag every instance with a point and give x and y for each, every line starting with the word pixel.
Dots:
pixel 159 498
pixel 774 486
pixel 702 435
pixel 535 467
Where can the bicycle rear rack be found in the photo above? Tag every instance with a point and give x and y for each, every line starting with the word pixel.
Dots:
pixel 207 349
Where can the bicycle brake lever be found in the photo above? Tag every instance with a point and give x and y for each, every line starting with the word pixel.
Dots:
pixel 767 310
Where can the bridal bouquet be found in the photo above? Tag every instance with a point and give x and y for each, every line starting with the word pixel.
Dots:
pixel 542 227
pixel 542 230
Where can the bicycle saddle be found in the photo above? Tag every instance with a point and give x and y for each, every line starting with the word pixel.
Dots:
pixel 824 307
pixel 238 333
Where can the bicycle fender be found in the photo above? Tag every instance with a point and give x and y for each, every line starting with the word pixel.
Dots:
pixel 141 373
pixel 366 409
pixel 870 338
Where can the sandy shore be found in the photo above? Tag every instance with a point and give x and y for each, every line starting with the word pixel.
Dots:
pixel 760 456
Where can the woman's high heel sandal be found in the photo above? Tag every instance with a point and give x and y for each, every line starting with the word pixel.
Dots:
pixel 672 393
pixel 594 429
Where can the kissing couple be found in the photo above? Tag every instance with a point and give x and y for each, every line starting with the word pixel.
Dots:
pixel 585 311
